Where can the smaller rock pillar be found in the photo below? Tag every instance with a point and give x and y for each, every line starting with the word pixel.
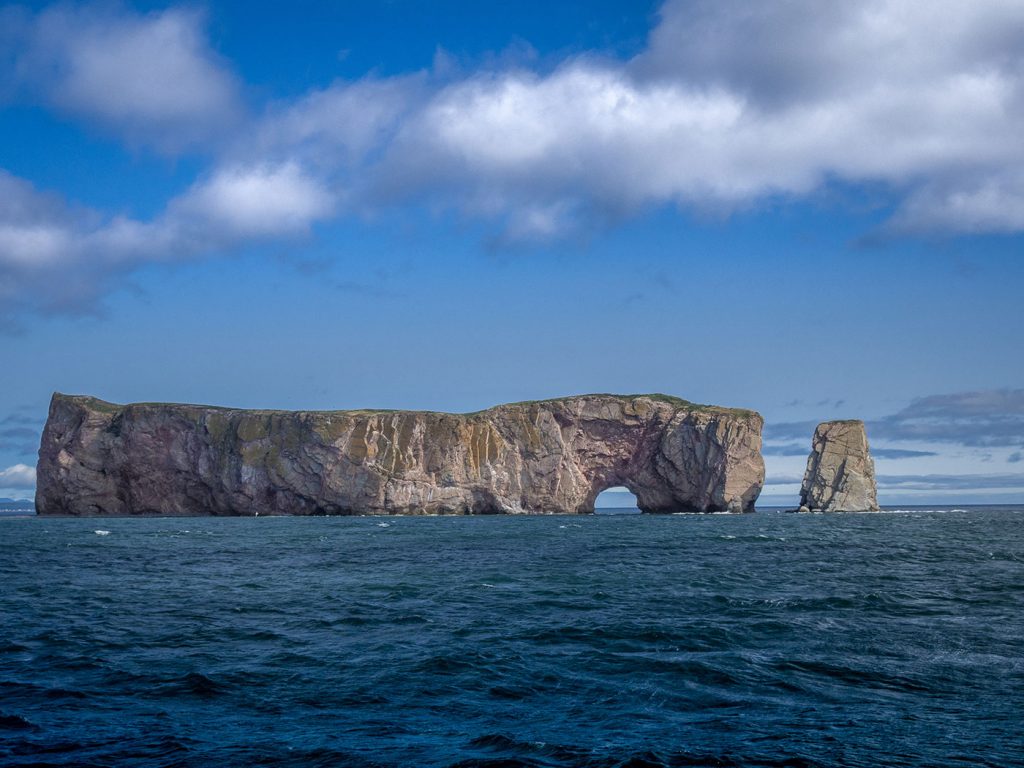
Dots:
pixel 840 474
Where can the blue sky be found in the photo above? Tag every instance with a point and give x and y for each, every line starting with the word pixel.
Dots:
pixel 813 211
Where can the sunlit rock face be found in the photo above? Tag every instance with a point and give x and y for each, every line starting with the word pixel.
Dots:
pixel 552 456
pixel 840 474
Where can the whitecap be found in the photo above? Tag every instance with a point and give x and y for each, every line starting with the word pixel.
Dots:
pixel 921 511
pixel 102 533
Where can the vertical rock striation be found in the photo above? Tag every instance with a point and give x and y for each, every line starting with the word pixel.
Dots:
pixel 840 474
pixel 98 458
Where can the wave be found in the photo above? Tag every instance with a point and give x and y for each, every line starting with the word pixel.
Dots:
pixel 732 640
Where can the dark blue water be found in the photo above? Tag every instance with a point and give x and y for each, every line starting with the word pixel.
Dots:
pixel 724 640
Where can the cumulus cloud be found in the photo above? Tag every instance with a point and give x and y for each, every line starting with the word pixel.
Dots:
pixel 343 126
pixel 731 103
pixel 152 78
pixel 252 201
pixel 734 102
pixel 541 154
pixel 992 203
pixel 55 257
pixel 19 476
pixel 792 51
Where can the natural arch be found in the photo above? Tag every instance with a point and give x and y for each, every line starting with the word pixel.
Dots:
pixel 616 500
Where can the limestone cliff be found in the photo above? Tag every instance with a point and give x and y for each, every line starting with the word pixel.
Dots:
pixel 840 474
pixel 554 456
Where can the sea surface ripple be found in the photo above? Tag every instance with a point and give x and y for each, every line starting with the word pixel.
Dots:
pixel 721 640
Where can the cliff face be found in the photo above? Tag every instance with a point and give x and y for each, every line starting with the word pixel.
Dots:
pixel 840 474
pixel 554 456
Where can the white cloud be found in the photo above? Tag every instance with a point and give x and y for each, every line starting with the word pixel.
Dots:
pixel 255 201
pixel 27 244
pixel 992 204
pixel 340 126
pixel 55 258
pixel 19 476
pixel 800 51
pixel 735 102
pixel 152 77
pixel 731 103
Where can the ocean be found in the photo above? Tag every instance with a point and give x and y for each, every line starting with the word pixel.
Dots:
pixel 769 639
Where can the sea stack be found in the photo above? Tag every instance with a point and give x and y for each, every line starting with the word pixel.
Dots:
pixel 551 456
pixel 840 474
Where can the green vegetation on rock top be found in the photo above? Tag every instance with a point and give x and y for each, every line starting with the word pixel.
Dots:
pixel 103 406
pixel 672 400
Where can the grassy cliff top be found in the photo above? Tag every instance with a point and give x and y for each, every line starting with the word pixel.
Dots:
pixel 676 402
pixel 96 404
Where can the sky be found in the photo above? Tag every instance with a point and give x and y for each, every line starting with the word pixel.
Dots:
pixel 812 210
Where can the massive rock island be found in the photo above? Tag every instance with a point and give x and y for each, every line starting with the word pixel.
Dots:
pixel 840 474
pixel 551 456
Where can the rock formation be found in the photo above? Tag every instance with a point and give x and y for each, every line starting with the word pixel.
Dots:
pixel 840 474
pixel 552 456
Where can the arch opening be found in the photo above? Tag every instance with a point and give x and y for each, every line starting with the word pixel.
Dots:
pixel 617 500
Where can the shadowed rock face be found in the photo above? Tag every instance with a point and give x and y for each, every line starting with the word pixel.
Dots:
pixel 553 456
pixel 840 474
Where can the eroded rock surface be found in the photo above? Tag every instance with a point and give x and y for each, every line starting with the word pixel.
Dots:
pixel 552 456
pixel 840 474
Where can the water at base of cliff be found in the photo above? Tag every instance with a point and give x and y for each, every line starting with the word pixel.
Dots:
pixel 742 640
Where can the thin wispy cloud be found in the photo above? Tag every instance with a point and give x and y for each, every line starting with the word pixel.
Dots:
pixel 981 419
pixel 787 449
pixel 19 418
pixel 930 482
pixel 729 105
pixel 900 453
pixel 988 419
pixel 974 482
pixel 802 449
pixel 776 432
pixel 783 480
